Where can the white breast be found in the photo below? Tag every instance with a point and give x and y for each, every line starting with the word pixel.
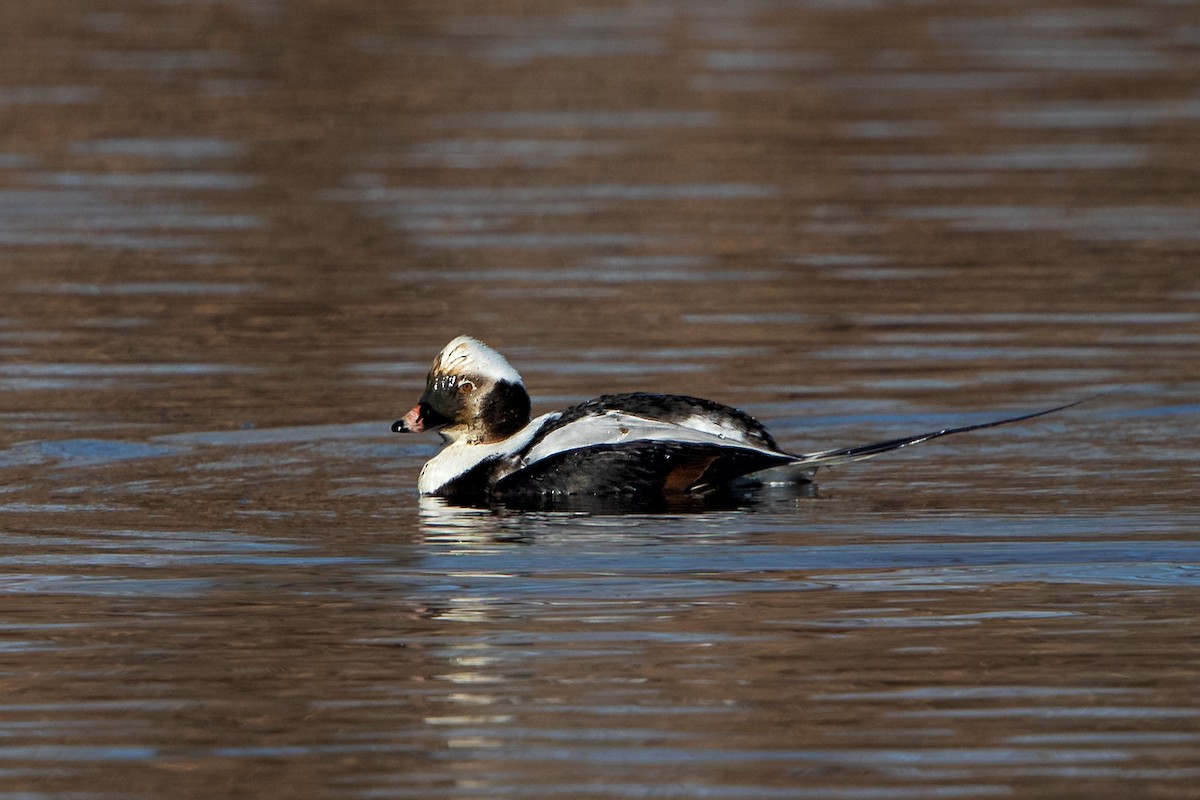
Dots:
pixel 458 458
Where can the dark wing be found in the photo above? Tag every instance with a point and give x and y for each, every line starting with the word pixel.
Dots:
pixel 635 468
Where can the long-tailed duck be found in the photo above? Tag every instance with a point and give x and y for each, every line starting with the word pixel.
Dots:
pixel 632 445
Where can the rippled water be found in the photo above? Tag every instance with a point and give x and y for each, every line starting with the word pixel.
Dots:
pixel 232 237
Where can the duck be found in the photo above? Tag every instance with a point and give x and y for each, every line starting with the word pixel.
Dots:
pixel 631 445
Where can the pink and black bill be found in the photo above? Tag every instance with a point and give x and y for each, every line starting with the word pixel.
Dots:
pixel 421 418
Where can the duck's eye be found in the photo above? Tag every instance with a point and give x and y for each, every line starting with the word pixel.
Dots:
pixel 466 387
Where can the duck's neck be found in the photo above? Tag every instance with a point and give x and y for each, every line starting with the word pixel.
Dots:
pixel 502 413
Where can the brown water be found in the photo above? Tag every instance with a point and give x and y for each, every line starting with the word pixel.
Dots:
pixel 232 236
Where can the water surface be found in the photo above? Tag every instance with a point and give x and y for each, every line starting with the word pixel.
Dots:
pixel 234 235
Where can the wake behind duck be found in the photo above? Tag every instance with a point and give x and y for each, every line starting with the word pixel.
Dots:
pixel 634 445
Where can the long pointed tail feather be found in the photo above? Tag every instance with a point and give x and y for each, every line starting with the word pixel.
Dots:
pixel 826 458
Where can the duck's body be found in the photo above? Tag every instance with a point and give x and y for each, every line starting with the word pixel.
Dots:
pixel 634 445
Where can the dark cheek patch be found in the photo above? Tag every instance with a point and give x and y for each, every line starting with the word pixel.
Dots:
pixel 505 410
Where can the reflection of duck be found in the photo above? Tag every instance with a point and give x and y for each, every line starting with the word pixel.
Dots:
pixel 442 521
pixel 634 446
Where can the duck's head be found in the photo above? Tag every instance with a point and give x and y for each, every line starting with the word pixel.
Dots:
pixel 472 394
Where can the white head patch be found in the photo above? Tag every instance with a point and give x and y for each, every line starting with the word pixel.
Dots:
pixel 467 356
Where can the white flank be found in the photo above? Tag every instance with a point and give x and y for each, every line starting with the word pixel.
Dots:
pixel 614 427
pixel 720 428
pixel 467 356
